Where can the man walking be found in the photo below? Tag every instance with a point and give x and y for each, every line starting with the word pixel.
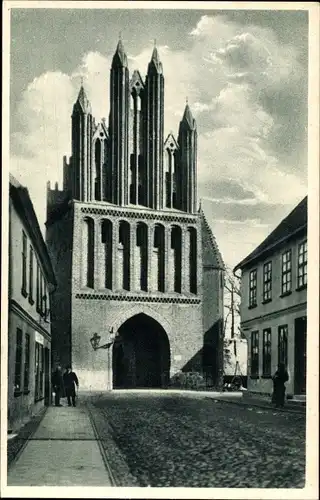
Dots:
pixel 70 381
pixel 57 384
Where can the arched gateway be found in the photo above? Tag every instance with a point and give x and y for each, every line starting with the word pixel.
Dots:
pixel 141 354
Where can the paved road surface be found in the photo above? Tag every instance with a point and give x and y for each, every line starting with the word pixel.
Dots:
pixel 182 442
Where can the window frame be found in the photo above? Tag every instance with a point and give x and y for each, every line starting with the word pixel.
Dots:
pixel 26 378
pixel 253 285
pixel 302 266
pixel 283 344
pixel 39 372
pixel 267 352
pixel 24 255
pixel 255 354
pixel 38 301
pixel 286 270
pixel 18 363
pixel 267 282
pixel 31 261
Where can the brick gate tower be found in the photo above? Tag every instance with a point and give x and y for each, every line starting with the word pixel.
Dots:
pixel 134 259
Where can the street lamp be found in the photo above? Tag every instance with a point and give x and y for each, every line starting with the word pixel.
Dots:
pixel 95 341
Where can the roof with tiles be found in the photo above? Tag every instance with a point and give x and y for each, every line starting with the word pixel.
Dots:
pixel 295 222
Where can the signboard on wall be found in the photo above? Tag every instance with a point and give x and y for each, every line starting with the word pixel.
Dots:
pixel 39 338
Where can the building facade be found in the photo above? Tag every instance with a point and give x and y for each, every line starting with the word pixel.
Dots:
pixel 136 263
pixel 274 304
pixel 31 281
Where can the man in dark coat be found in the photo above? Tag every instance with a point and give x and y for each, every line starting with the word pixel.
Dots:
pixel 279 389
pixel 57 384
pixel 70 381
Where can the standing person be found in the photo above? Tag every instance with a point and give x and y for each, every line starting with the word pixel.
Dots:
pixel 279 389
pixel 70 380
pixel 57 384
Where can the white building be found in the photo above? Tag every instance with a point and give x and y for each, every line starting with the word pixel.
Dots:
pixel 31 280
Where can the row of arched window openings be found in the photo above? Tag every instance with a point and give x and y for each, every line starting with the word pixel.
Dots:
pixel 130 249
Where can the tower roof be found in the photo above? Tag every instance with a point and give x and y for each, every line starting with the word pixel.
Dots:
pixel 83 101
pixel 120 57
pixel 155 62
pixel 188 118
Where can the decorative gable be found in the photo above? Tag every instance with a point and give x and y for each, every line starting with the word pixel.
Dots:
pixel 210 250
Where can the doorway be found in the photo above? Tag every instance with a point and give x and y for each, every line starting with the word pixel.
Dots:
pixel 300 357
pixel 141 355
pixel 47 391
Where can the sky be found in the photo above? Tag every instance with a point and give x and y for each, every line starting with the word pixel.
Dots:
pixel 245 74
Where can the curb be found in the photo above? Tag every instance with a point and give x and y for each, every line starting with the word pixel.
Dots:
pixel 255 405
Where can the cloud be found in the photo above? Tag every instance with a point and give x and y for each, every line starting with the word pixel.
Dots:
pixel 243 87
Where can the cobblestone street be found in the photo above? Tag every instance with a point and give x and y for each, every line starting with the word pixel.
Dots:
pixel 171 440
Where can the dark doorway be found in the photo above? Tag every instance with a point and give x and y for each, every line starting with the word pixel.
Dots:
pixel 141 355
pixel 300 357
pixel 47 391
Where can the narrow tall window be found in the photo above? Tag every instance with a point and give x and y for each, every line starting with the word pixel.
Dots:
pixel 267 282
pixel 286 277
pixel 176 239
pixel 41 371
pixel 158 248
pixel 106 239
pixel 38 367
pixel 124 255
pixel 266 360
pixel 302 265
pixel 192 234
pixel 254 353
pixel 97 181
pixel 142 244
pixel 26 378
pixel 18 361
pixel 283 344
pixel 38 302
pixel 31 276
pixel 45 308
pixel 24 265
pixel 36 370
pixel 41 293
pixel 253 288
pixel 88 253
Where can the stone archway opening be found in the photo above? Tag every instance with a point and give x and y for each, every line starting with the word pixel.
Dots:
pixel 141 354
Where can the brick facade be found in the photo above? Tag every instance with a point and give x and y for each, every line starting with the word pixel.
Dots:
pixel 132 256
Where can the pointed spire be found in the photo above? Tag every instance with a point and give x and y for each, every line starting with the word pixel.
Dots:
pixel 187 116
pixel 155 59
pixel 83 99
pixel 120 56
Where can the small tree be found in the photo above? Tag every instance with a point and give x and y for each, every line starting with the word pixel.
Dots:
pixel 232 304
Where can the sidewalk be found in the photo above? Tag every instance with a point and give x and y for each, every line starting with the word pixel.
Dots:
pixel 63 451
pixel 254 400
